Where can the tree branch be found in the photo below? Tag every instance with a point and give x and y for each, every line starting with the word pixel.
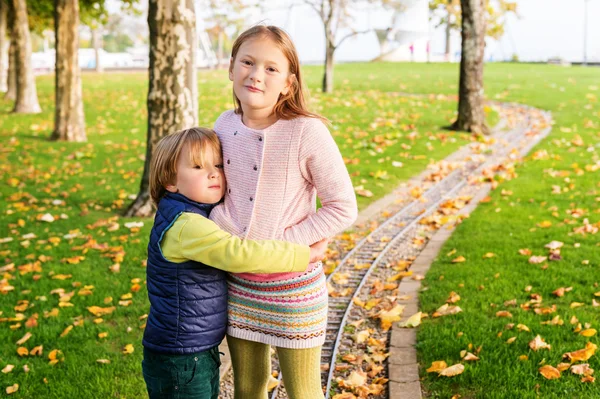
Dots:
pixel 350 35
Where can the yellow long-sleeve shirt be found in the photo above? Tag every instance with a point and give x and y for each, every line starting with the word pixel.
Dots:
pixel 194 237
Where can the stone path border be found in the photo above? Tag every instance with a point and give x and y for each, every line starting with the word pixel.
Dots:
pixel 403 366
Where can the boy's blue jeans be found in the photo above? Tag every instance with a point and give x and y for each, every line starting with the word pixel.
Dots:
pixel 182 376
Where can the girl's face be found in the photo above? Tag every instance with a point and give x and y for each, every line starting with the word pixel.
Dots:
pixel 200 183
pixel 260 73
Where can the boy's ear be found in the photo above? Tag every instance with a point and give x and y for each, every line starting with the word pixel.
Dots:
pixel 231 69
pixel 171 188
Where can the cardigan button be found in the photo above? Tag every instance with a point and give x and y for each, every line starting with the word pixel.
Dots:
pixel 251 198
pixel 260 139
pixel 229 190
pixel 235 133
pixel 255 167
pixel 228 161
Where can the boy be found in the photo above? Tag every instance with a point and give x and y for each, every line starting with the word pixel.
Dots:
pixel 188 257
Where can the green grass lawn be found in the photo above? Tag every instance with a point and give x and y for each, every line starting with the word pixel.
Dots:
pixel 385 139
pixel 512 222
pixel 86 187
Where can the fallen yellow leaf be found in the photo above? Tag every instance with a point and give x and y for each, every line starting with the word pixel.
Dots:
pixel 538 343
pixel 437 366
pixel 452 370
pixel 12 389
pixel 549 372
pixel 128 349
pixel 413 321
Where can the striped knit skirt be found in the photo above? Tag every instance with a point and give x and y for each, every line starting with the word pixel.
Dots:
pixel 288 313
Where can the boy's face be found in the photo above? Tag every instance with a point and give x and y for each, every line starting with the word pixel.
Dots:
pixel 206 183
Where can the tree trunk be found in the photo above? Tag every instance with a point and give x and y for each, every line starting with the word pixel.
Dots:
pixel 471 116
pixel 220 50
pixel 69 123
pixel 328 73
pixel 172 91
pixel 26 101
pixel 3 45
pixel 96 44
pixel 11 76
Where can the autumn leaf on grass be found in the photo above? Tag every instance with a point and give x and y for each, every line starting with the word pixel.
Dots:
pixel 453 297
pixel 582 354
pixel 549 372
pixel 37 350
pixel 554 245
pixel 103 361
pixel 56 356
pixel 588 378
pixel 437 366
pixel 390 316
pixel 563 366
pixel 489 255
pixel 525 251
pixel 24 338
pixel 452 370
pixel 128 349
pixel 470 357
pixel 66 331
pixel 545 224
pixel 504 313
pixel 589 332
pixel 460 259
pixel 446 310
pixel 8 368
pixel 582 369
pixel 537 259
pixel 98 311
pixel 538 343
pixel 360 190
pixel 12 389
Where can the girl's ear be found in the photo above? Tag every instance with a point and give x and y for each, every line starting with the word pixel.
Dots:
pixel 171 188
pixel 290 83
pixel 231 69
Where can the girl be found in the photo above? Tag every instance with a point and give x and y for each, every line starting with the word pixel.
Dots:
pixel 278 157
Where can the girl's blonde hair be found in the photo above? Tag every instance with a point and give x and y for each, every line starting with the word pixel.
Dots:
pixel 292 104
pixel 166 154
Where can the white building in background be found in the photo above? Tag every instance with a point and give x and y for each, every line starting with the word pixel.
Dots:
pixel 409 37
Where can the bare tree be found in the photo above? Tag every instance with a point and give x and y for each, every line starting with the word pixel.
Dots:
pixel 96 42
pixel 173 91
pixel 26 101
pixel 336 16
pixel 3 45
pixel 471 115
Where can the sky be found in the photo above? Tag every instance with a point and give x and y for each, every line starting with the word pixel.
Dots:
pixel 543 29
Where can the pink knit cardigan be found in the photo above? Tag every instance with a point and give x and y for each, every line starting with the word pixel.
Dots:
pixel 273 178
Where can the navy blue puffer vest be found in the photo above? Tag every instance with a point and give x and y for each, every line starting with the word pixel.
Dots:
pixel 188 301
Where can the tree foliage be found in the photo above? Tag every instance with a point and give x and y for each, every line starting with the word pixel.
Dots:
pixel 449 11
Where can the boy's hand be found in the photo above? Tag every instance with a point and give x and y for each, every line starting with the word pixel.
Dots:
pixel 317 250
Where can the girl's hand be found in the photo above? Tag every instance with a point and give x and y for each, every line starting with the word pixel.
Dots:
pixel 317 250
